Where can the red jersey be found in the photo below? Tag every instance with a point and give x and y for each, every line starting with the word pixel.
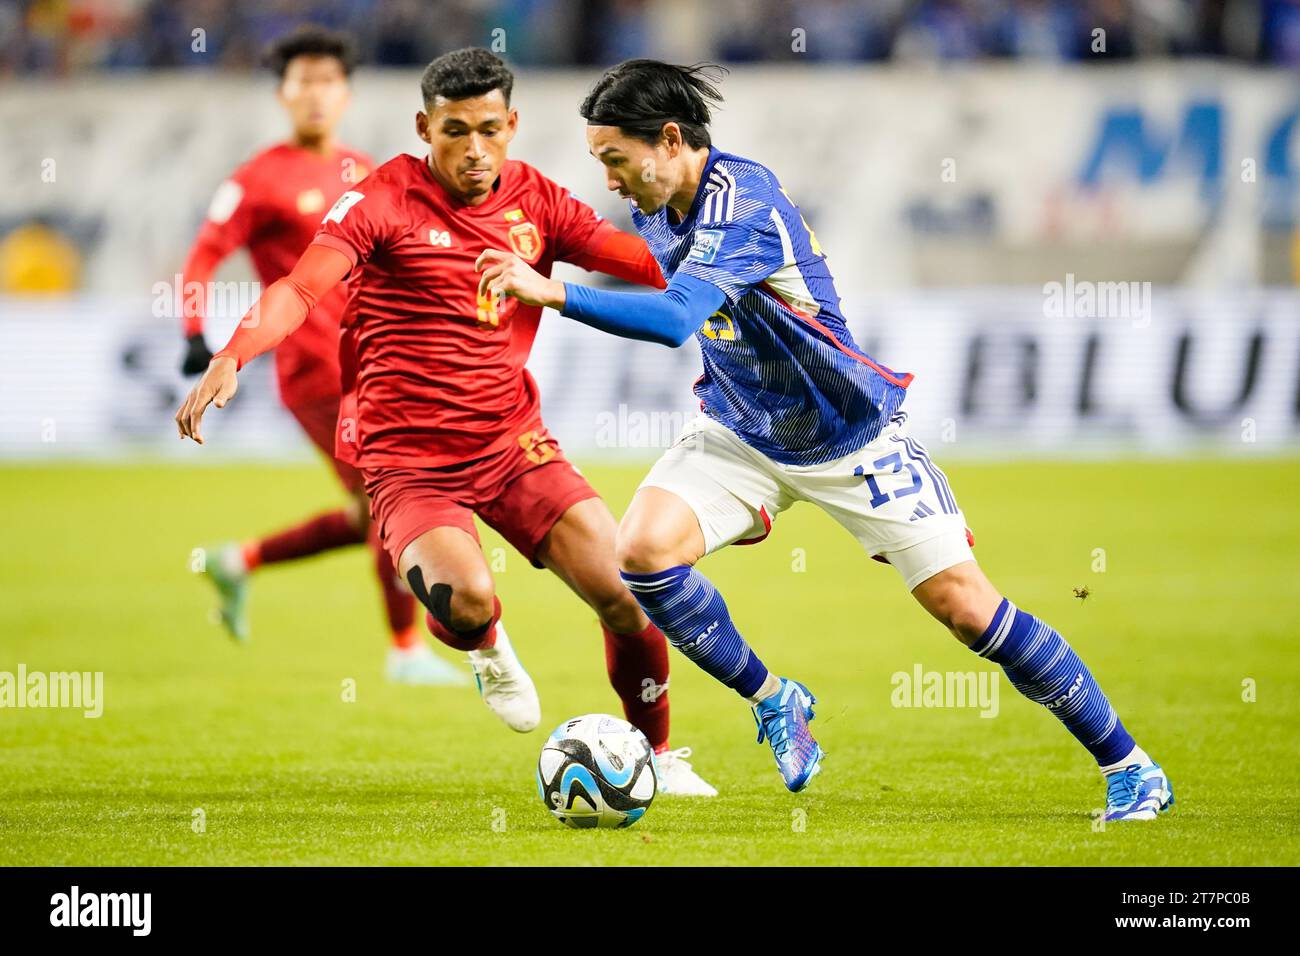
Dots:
pixel 440 376
pixel 273 205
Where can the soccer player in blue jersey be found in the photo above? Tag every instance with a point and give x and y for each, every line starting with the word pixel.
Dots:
pixel 792 410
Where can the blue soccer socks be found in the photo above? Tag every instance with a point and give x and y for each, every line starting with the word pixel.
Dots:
pixel 686 606
pixel 1043 667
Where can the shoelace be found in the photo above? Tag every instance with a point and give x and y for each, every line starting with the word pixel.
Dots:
pixel 1122 788
pixel 779 734
pixel 491 669
pixel 675 756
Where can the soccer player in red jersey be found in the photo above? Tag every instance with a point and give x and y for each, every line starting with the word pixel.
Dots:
pixel 440 414
pixel 272 205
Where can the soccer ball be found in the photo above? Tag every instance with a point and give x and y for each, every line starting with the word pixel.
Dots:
pixel 597 771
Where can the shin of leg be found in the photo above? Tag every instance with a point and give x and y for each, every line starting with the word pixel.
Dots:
pixel 659 531
pixel 447 573
pixel 616 608
pixel 399 603
pixel 579 549
pixel 960 598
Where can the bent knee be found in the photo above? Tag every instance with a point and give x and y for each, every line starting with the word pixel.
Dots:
pixel 473 601
pixel 968 622
pixel 961 599
pixel 464 602
pixel 964 612
pixel 642 551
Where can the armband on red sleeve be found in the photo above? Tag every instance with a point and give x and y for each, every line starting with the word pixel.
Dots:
pixel 623 256
pixel 285 303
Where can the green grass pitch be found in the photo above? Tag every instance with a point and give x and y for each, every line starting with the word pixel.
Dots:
pixel 1197 602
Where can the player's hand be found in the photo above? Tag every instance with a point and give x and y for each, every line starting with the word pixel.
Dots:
pixel 504 273
pixel 197 355
pixel 216 387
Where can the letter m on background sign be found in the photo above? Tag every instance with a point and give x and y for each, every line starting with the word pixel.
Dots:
pixel 1126 143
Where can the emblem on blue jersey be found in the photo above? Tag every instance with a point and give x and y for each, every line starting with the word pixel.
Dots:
pixel 706 245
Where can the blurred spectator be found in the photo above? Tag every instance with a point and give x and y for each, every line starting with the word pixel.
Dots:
pixel 1116 21
pixel 1036 29
pixel 620 30
pixel 939 30
pixel 845 30
pixel 1281 32
pixel 45 37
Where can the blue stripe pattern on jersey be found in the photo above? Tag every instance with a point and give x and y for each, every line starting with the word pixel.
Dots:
pixel 781 369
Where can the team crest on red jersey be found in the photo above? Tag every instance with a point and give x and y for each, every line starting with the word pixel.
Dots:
pixel 526 241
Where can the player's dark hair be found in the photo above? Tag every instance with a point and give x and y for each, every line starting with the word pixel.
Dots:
pixel 640 96
pixel 311 41
pixel 460 74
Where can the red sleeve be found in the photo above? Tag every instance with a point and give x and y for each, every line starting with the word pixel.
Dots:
pixel 285 303
pixel 359 223
pixel 572 224
pixel 229 225
pixel 621 255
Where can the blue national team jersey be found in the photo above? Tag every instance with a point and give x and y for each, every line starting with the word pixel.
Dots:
pixel 780 367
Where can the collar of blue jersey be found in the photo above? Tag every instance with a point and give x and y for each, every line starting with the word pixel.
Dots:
pixel 688 220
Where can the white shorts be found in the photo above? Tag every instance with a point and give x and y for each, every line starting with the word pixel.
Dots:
pixel 889 495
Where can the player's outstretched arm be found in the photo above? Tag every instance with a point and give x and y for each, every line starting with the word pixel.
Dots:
pixel 281 309
pixel 228 226
pixel 197 272
pixel 668 318
pixel 621 255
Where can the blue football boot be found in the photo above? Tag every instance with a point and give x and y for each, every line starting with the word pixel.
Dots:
pixel 1138 793
pixel 783 719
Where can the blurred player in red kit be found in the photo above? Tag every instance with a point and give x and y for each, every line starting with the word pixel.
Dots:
pixel 439 413
pixel 272 206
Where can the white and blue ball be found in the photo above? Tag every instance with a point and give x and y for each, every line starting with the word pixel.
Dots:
pixel 597 771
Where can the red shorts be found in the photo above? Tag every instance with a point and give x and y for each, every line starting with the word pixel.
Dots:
pixel 520 492
pixel 320 420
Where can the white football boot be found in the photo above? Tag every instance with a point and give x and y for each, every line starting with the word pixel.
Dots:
pixel 677 779
pixel 505 686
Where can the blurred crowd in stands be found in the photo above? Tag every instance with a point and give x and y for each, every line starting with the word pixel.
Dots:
pixel 57 37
